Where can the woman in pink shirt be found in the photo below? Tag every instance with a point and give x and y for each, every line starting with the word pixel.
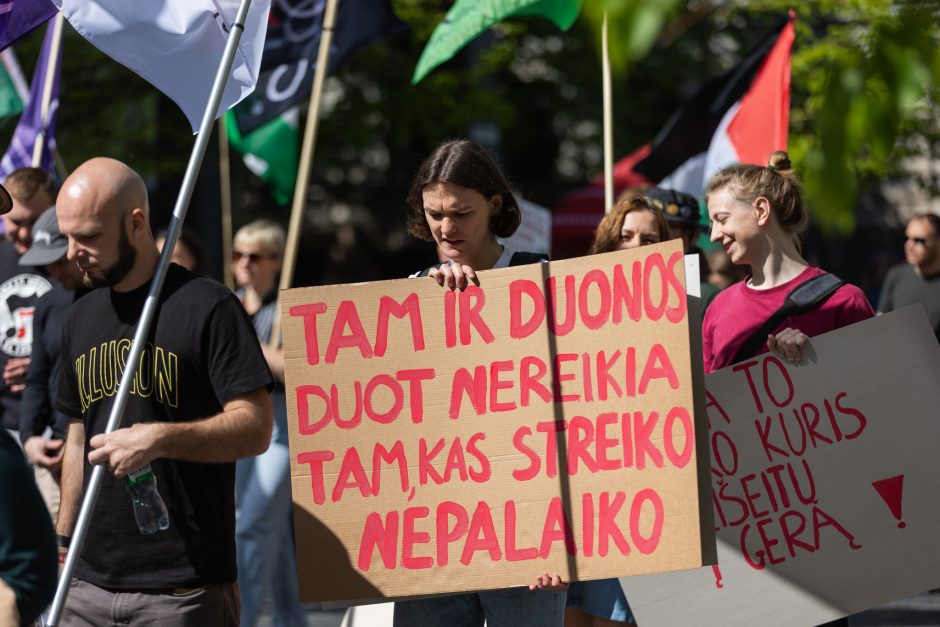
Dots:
pixel 757 214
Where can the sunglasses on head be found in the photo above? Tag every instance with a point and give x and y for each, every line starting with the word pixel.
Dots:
pixel 238 255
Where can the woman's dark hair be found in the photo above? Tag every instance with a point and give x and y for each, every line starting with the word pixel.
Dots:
pixel 465 163
pixel 190 242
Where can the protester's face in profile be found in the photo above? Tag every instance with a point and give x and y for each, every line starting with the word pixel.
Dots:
pixel 253 265
pixel 99 245
pixel 734 225
pixel 112 268
pixel 639 229
pixel 920 247
pixel 459 219
pixel 18 222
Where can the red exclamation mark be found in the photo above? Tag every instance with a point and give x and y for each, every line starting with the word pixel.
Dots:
pixel 890 490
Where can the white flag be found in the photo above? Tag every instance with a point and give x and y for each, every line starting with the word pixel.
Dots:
pixel 176 45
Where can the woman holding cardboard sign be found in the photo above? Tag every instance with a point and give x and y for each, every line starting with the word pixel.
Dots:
pixel 757 214
pixel 633 222
pixel 461 201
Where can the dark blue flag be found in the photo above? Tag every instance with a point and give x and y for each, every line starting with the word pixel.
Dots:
pixel 290 51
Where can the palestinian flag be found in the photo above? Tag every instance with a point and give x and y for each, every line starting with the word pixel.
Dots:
pixel 741 116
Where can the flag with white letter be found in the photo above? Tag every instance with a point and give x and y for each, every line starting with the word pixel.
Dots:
pixel 176 45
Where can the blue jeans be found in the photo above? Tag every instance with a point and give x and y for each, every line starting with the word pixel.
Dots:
pixel 603 598
pixel 264 535
pixel 508 607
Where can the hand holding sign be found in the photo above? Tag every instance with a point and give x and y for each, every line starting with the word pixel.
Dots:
pixel 544 425
pixel 808 466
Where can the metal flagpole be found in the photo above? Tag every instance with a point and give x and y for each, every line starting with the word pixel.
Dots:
pixel 150 305
pixel 47 88
pixel 306 160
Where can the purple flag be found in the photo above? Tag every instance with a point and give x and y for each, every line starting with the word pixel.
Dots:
pixel 18 17
pixel 30 126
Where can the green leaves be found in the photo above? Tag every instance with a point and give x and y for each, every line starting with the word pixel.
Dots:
pixel 633 26
pixel 878 87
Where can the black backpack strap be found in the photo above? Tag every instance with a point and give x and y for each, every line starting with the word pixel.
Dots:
pixel 804 297
pixel 522 258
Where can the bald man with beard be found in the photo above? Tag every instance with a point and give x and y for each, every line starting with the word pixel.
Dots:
pixel 199 401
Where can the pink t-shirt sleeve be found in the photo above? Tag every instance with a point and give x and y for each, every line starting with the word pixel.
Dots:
pixel 708 356
pixel 852 305
pixel 737 313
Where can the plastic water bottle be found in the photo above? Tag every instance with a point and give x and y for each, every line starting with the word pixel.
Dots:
pixel 149 509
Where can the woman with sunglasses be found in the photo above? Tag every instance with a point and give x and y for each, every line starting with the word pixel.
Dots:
pixel 263 532
pixel 462 202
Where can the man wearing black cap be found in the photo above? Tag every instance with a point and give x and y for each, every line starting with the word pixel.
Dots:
pixel 683 216
pixel 36 411
pixel 31 191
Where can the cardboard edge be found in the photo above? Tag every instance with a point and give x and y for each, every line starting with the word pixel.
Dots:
pixel 707 538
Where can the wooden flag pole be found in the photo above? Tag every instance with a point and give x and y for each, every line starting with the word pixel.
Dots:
pixel 47 87
pixel 306 160
pixel 608 123
pixel 12 66
pixel 225 181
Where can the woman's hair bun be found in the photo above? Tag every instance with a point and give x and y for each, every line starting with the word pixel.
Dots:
pixel 780 161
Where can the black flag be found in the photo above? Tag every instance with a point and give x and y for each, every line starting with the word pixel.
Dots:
pixel 290 51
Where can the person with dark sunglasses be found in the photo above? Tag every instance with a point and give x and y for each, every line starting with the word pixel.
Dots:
pixel 263 533
pixel 918 279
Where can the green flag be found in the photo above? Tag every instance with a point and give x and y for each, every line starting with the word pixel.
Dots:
pixel 10 101
pixel 468 18
pixel 272 151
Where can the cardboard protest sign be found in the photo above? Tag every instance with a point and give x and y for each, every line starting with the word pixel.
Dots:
pixel 826 483
pixel 447 441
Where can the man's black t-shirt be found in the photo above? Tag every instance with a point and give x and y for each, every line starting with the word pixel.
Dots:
pixel 903 287
pixel 20 289
pixel 202 352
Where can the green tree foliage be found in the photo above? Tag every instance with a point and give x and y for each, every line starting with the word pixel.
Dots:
pixel 864 87
pixel 864 83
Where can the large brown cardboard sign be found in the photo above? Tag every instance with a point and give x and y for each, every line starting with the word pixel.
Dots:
pixel 541 421
pixel 826 483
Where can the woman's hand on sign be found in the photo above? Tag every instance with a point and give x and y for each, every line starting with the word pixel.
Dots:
pixel 552 583
pixel 788 344
pixel 453 275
